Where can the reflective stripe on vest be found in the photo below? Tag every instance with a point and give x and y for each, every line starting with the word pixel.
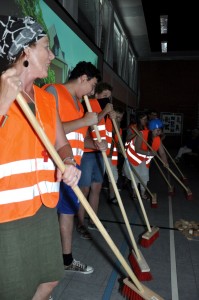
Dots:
pixel 134 157
pixel 69 112
pixel 27 176
pixel 73 137
pixel 101 125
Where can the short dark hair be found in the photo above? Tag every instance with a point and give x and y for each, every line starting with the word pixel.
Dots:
pixel 102 86
pixel 85 68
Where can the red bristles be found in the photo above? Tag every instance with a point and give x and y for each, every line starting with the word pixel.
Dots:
pixel 142 275
pixel 132 292
pixel 171 191
pixel 189 194
pixel 128 293
pixel 148 241
pixel 154 202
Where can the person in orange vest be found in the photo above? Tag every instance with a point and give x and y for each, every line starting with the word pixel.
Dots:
pixel 92 164
pixel 30 249
pixel 112 153
pixel 140 123
pixel 82 81
pixel 139 155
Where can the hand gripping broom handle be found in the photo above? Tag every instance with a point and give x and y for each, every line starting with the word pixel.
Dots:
pixel 110 173
pixel 173 161
pixel 186 189
pixel 132 177
pixel 33 121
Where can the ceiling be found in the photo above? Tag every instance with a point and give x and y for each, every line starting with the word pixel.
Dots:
pixel 141 19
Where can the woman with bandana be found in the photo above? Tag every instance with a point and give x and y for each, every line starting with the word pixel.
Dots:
pixel 30 248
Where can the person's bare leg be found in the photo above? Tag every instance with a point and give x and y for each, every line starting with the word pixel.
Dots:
pixel 81 211
pixel 94 196
pixel 44 290
pixel 66 229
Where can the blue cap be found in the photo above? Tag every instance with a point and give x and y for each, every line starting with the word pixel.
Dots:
pixel 155 124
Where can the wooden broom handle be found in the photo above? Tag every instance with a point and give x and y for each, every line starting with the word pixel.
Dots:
pixel 174 175
pixel 131 175
pixel 117 194
pixel 155 161
pixel 126 159
pixel 173 161
pixel 33 121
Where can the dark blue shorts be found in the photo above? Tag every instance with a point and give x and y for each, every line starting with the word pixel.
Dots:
pixel 68 201
pixel 92 167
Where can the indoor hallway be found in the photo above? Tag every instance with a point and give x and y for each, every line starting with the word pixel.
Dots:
pixel 172 258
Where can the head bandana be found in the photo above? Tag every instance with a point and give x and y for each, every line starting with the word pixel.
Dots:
pixel 16 34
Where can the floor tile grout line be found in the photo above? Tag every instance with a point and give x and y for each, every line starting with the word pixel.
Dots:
pixel 111 282
pixel 174 280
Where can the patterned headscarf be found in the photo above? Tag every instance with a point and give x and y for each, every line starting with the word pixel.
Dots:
pixel 16 34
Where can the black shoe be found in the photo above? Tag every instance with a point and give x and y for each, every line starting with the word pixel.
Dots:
pixel 113 201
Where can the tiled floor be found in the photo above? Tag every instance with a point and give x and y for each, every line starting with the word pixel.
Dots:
pixel 172 258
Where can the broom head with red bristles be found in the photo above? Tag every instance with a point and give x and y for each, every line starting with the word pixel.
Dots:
pixel 140 266
pixel 171 191
pixel 189 194
pixel 154 202
pixel 149 237
pixel 131 292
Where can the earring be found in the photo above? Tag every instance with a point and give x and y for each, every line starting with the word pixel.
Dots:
pixel 26 63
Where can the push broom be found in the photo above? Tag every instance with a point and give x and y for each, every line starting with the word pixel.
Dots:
pixel 153 233
pixel 171 190
pixel 187 190
pixel 133 289
pixel 136 258
pixel 183 178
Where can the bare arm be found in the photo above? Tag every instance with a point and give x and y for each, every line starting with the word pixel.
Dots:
pixel 91 144
pixel 10 86
pixel 90 118
pixel 71 174
pixel 108 108
pixel 138 146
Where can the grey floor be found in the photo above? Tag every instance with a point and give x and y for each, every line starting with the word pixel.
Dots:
pixel 172 258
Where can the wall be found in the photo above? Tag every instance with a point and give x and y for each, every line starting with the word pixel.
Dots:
pixel 121 91
pixel 171 86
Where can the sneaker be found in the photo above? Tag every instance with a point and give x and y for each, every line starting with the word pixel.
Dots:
pixel 113 201
pixel 145 196
pixel 92 226
pixel 84 234
pixel 79 267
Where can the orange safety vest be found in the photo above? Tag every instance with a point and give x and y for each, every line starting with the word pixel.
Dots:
pixel 68 112
pixel 101 125
pixel 27 174
pixel 137 158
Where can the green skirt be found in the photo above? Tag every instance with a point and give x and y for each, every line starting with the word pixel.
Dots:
pixel 30 254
